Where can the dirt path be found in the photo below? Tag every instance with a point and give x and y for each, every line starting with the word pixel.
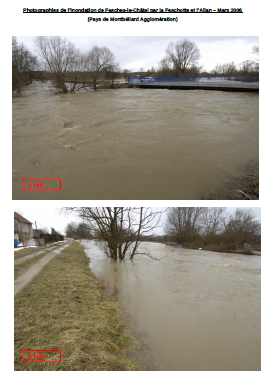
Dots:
pixel 28 275
pixel 45 250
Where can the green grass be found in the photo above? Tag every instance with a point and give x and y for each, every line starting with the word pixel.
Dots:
pixel 64 308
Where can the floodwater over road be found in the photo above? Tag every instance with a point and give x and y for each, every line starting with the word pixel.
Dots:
pixel 200 310
pixel 132 143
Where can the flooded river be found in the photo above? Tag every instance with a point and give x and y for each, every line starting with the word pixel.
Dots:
pixel 132 143
pixel 200 310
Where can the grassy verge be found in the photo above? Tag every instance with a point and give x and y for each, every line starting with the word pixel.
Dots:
pixel 64 308
pixel 23 266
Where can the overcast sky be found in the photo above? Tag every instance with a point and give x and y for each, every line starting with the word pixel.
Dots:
pixel 133 53
pixel 50 217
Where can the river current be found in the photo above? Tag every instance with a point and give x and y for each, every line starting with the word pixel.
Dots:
pixel 132 143
pixel 200 310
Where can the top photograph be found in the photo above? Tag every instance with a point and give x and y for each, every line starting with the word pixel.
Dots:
pixel 135 118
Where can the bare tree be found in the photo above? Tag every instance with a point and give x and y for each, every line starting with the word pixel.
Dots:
pixel 225 69
pixel 240 228
pixel 182 55
pixel 255 49
pixel 61 58
pixel 70 229
pixel 247 67
pixel 119 230
pixel 126 73
pixel 183 223
pixel 23 65
pixel 212 222
pixel 99 59
pixel 112 74
pixel 164 68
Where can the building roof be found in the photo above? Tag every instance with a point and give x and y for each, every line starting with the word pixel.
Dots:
pixel 18 217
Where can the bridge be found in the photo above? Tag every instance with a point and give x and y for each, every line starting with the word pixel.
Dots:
pixel 225 83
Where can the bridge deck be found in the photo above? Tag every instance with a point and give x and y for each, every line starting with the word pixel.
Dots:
pixel 219 86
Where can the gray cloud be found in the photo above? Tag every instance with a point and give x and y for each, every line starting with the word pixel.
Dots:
pixel 135 52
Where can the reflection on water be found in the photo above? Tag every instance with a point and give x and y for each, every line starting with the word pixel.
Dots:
pixel 132 143
pixel 200 310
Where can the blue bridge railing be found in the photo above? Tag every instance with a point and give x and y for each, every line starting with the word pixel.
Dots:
pixel 194 80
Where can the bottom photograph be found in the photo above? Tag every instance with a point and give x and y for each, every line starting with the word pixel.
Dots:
pixel 137 289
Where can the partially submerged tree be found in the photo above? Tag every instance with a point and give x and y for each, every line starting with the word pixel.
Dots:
pixel 99 61
pixel 183 224
pixel 61 58
pixel 119 230
pixel 212 222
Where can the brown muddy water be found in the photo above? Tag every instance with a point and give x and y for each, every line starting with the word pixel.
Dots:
pixel 132 143
pixel 200 310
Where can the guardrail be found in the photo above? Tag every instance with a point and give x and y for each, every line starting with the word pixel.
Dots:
pixel 216 79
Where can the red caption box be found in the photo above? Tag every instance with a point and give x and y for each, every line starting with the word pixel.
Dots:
pixel 41 356
pixel 36 184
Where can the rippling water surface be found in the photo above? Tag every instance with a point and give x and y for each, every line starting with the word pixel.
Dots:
pixel 201 310
pixel 131 143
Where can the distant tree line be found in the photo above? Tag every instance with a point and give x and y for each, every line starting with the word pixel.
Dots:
pixel 23 66
pixel 70 70
pixel 213 229
pixel 181 60
pixel 79 230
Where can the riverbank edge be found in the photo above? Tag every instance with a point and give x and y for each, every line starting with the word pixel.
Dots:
pixel 208 248
pixel 241 187
pixel 64 308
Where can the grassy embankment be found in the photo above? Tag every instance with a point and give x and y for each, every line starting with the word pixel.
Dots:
pixel 64 308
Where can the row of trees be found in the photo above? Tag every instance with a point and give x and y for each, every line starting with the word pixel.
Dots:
pixel 70 70
pixel 181 59
pixel 118 231
pixel 23 66
pixel 78 231
pixel 213 228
